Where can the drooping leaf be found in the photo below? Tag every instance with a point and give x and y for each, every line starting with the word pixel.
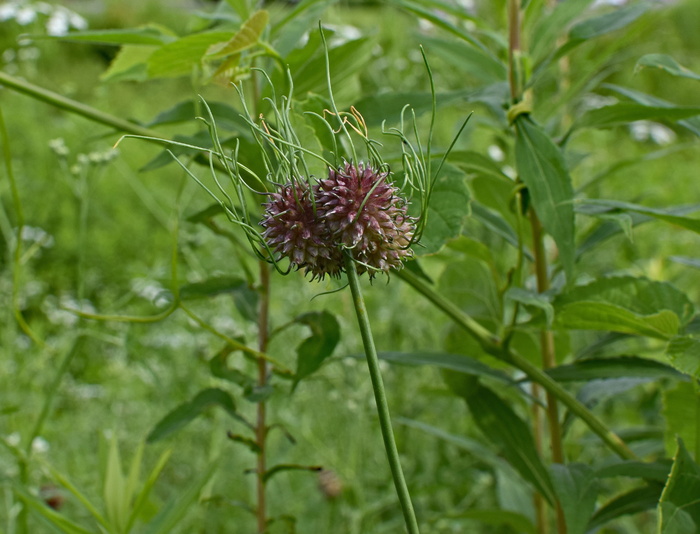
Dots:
pixel 626 112
pixel 542 168
pixel 447 211
pixel 681 410
pixel 607 368
pixel 247 37
pixel 632 502
pixel 665 63
pixel 179 57
pixel 505 429
pixel 577 488
pixel 313 351
pixel 679 507
pixel 185 413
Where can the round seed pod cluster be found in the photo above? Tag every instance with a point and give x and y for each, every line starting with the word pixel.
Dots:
pixel 355 208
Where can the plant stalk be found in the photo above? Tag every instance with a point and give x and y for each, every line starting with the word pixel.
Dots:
pixel 380 397
pixel 495 347
pixel 261 424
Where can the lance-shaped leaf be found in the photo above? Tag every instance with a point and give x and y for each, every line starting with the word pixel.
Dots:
pixel 669 215
pixel 289 467
pixel 666 63
pixel 577 489
pixel 632 502
pixel 626 112
pixel 245 38
pixel 311 353
pixel 505 429
pixel 151 34
pixel 542 168
pixel 188 411
pixel 608 368
pixel 679 507
pixel 180 57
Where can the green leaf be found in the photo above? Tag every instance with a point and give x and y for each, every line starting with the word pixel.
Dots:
pixel 626 112
pixel 577 488
pixel 227 117
pixel 445 360
pixel 475 61
pixel 625 304
pixel 607 368
pixel 549 27
pixel 448 210
pixel 245 299
pixel 532 298
pixel 632 502
pixel 117 500
pixel 683 352
pixel 142 498
pixel 542 168
pixel 480 296
pixel 280 468
pixel 656 471
pixel 54 518
pixel 679 507
pixel 171 515
pixel 506 430
pixel 151 34
pixel 602 24
pixel 247 37
pixel 313 351
pixel 180 57
pixel 681 410
pixel 499 517
pixel 130 64
pixel 188 411
pixel 669 215
pixel 377 108
pixel 666 63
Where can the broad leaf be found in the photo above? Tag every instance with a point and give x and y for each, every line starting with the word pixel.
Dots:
pixel 188 411
pixel 542 168
pixel 681 410
pixel 447 211
pixel 247 37
pixel 180 57
pixel 130 64
pixel 505 429
pixel 577 488
pixel 479 63
pixel 666 63
pixel 679 507
pixel 313 351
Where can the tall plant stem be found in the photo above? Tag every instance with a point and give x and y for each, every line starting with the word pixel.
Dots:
pixel 380 396
pixel 261 424
pixel 495 347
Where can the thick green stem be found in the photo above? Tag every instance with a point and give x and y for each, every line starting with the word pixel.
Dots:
pixel 492 345
pixel 380 396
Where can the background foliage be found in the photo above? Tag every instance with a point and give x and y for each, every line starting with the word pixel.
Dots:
pixel 611 125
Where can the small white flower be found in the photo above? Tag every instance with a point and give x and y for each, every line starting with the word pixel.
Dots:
pixel 40 445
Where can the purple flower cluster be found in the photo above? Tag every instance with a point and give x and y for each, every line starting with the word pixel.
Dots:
pixel 355 208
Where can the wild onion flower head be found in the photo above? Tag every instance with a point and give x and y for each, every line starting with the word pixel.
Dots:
pixel 294 230
pixel 356 208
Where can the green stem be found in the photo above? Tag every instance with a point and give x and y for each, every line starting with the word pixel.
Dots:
pixel 493 346
pixel 380 396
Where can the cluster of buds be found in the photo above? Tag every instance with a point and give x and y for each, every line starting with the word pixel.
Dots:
pixel 355 209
